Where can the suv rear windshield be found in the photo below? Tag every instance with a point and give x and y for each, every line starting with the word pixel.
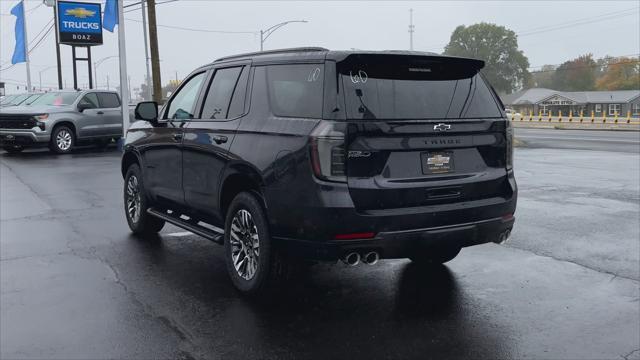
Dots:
pixel 414 87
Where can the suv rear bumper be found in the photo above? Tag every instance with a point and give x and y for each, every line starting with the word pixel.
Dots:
pixel 402 244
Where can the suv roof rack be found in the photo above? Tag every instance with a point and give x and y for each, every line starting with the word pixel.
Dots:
pixel 270 52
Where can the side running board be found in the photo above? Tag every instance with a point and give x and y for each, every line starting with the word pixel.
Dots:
pixel 215 235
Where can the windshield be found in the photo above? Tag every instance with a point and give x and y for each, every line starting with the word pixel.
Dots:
pixel 31 99
pixel 56 99
pixel 7 99
pixel 17 100
pixel 415 88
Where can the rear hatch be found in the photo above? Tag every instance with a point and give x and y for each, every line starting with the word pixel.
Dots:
pixel 421 130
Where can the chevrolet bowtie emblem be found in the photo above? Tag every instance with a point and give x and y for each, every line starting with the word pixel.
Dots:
pixel 441 127
pixel 79 12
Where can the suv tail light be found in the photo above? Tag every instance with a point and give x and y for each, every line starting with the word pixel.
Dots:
pixel 509 136
pixel 328 152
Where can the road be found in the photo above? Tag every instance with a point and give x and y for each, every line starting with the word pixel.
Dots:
pixel 619 141
pixel 75 284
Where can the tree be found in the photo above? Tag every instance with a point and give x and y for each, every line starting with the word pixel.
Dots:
pixel 542 78
pixel 620 74
pixel 576 75
pixel 506 66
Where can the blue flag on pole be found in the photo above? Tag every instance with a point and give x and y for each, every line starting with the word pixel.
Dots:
pixel 110 18
pixel 20 51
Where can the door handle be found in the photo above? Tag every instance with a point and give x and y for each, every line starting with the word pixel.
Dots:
pixel 220 139
pixel 177 137
pixel 100 113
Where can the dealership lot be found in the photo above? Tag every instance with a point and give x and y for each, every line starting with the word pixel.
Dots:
pixel 75 284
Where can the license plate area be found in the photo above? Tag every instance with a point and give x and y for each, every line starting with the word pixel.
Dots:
pixel 437 162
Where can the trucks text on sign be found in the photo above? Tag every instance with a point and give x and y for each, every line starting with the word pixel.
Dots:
pixel 79 23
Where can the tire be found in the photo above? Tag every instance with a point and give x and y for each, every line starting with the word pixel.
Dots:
pixel 436 256
pixel 258 271
pixel 62 140
pixel 136 205
pixel 13 149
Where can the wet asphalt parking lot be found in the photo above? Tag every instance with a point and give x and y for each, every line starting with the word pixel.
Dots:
pixel 74 284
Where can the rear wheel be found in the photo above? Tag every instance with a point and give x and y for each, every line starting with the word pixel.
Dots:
pixel 436 256
pixel 13 149
pixel 136 205
pixel 252 263
pixel 62 140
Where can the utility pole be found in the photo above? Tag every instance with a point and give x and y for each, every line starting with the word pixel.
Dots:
pixel 148 93
pixel 54 4
pixel 411 29
pixel 155 52
pixel 108 88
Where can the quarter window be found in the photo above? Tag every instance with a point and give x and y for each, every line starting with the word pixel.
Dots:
pixel 216 105
pixel 614 109
pixel 183 102
pixel 90 100
pixel 296 90
pixel 108 100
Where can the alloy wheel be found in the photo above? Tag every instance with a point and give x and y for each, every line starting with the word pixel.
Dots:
pixel 245 244
pixel 63 140
pixel 133 199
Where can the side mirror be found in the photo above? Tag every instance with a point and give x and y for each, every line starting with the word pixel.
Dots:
pixel 83 106
pixel 147 111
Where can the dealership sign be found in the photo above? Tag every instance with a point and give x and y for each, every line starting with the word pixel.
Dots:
pixel 558 100
pixel 79 23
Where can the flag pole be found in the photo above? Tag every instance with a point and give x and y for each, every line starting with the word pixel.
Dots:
pixel 124 86
pixel 26 48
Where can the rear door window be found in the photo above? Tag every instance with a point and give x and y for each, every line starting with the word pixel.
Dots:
pixel 108 100
pixel 90 100
pixel 295 90
pixel 216 105
pixel 406 87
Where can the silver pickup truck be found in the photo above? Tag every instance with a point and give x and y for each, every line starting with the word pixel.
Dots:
pixel 62 119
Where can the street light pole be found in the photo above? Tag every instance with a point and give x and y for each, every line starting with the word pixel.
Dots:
pixel 264 34
pixel 40 74
pixel 96 64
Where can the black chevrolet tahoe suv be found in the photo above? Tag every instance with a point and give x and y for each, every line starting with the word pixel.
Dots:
pixel 314 154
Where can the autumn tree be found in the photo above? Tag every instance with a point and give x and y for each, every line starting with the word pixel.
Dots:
pixel 576 75
pixel 620 74
pixel 506 65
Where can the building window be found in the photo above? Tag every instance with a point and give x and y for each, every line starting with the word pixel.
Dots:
pixel 598 108
pixel 636 109
pixel 614 109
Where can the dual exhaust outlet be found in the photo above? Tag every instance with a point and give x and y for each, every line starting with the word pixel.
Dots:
pixel 354 258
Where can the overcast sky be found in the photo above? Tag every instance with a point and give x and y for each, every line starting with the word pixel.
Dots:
pixel 550 32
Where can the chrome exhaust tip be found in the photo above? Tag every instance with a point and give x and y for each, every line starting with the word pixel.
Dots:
pixel 370 258
pixel 351 259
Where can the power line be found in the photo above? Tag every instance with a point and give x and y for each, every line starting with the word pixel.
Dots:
pixel 569 24
pixel 34 47
pixel 198 30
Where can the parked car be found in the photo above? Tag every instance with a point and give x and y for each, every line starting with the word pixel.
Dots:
pixel 512 113
pixel 17 100
pixel 61 120
pixel 325 155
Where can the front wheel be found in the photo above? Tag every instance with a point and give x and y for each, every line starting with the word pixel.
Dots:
pixel 252 263
pixel 62 140
pixel 436 256
pixel 135 205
